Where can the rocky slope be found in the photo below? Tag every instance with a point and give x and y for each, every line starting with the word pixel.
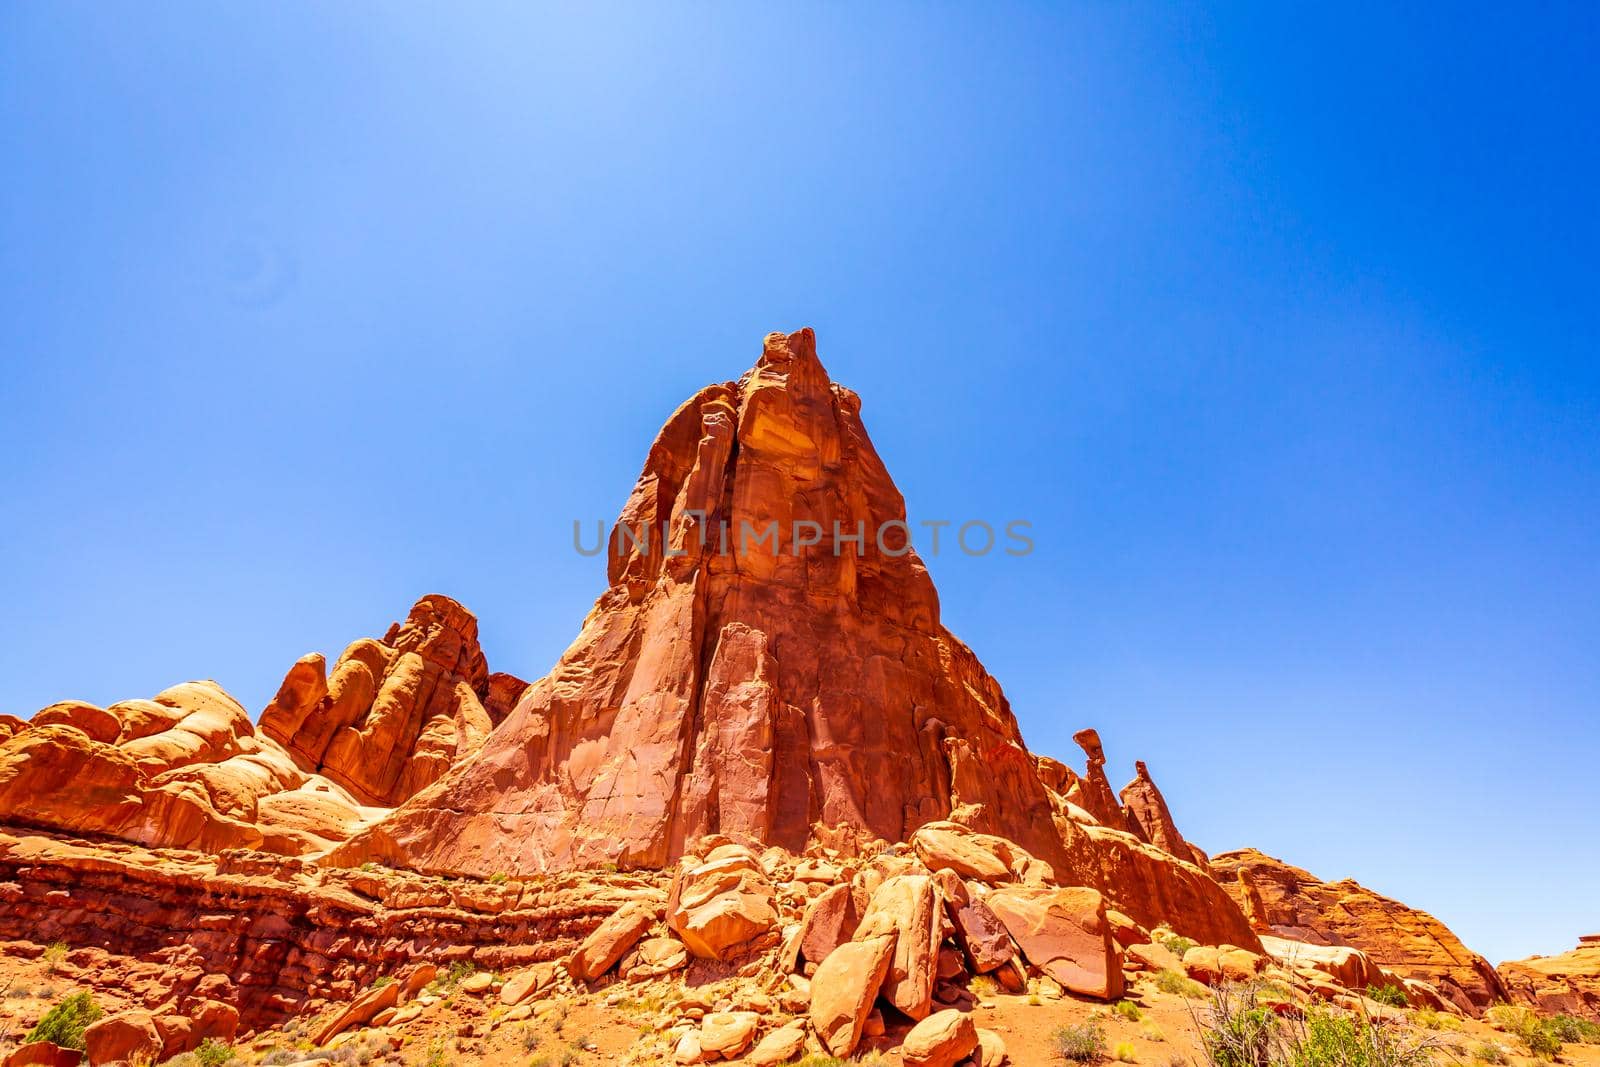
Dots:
pixel 1292 903
pixel 1568 983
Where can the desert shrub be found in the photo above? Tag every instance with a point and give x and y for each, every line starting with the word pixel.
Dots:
pixel 1390 995
pixel 1429 1019
pixel 1179 985
pixel 1084 1043
pixel 65 1023
pixel 1176 944
pixel 279 1057
pixel 1236 1031
pixel 1239 1030
pixel 1128 1010
pixel 213 1053
pixel 983 986
pixel 1541 1037
pixel 1513 1019
pixel 1151 1032
pixel 1124 1052
pixel 499 878
pixel 1577 1031
pixel 54 956
pixel 1489 1052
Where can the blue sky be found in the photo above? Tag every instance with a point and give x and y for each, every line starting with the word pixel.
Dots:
pixel 1279 326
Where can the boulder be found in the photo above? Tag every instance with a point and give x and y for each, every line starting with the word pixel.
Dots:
pixel 610 941
pixel 358 1012
pixel 128 1036
pixel 907 906
pixel 955 849
pixel 728 1033
pixel 43 1054
pixel 943 1039
pixel 843 989
pixel 981 935
pixel 720 904
pixel 991 1049
pixel 780 1046
pixel 831 920
pixel 1064 933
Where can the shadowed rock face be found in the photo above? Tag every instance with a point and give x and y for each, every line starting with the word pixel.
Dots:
pixel 757 692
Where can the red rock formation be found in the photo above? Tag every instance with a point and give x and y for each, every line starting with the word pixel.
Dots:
pixel 1146 811
pixel 756 692
pixel 394 714
pixel 1411 943
pixel 187 769
pixel 1093 791
pixel 277 933
pixel 184 770
pixel 1567 983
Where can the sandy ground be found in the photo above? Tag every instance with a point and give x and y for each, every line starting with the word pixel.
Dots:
pixel 615 1026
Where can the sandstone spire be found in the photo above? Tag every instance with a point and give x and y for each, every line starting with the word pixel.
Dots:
pixel 771 691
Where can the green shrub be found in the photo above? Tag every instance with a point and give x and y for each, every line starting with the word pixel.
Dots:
pixel 1577 1031
pixel 66 1022
pixel 1176 944
pixel 1128 1010
pixel 213 1053
pixel 1179 985
pixel 1489 1052
pixel 499 878
pixel 1390 995
pixel 1124 1052
pixel 1084 1043
pixel 1239 1030
pixel 54 956
pixel 1541 1037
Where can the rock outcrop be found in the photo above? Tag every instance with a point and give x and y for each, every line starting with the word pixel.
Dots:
pixel 185 769
pixel 1413 944
pixel 1147 814
pixel 392 715
pixel 745 673
pixel 271 934
pixel 188 769
pixel 1567 983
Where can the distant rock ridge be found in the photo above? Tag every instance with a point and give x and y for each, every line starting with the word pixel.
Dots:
pixel 1293 903
pixel 1569 982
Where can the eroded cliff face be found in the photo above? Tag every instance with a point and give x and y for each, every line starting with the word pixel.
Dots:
pixel 1293 903
pixel 733 679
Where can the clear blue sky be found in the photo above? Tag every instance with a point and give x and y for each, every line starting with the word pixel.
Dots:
pixel 1280 326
